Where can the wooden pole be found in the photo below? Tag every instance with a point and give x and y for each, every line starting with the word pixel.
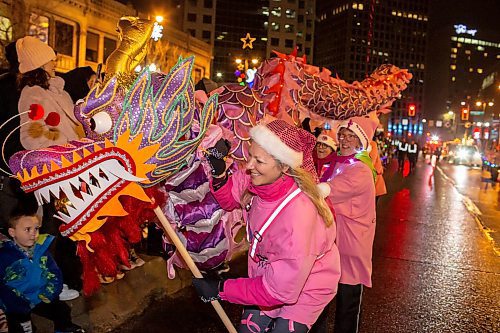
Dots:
pixel 192 267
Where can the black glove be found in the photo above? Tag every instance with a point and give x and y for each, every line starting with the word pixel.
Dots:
pixel 216 156
pixel 208 289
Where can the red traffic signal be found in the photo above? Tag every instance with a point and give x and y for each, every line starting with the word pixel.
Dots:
pixel 412 108
pixel 465 114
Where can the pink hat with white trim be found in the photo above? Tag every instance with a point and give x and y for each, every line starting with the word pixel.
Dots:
pixel 290 145
pixel 364 127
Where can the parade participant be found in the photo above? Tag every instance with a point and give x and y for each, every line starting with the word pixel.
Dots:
pixel 353 197
pixel 30 279
pixel 412 155
pixel 323 155
pixel 39 84
pixel 380 188
pixel 402 150
pixel 293 263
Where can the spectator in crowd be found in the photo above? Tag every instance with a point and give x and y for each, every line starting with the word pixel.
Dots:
pixel 39 84
pixel 31 280
pixel 79 81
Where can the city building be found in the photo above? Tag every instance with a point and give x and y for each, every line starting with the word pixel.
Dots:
pixel 84 33
pixel 352 38
pixel 290 25
pixel 471 59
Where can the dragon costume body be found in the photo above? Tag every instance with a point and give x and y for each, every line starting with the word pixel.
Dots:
pixel 145 136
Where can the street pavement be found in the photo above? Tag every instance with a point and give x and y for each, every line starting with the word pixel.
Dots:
pixel 434 267
pixel 480 194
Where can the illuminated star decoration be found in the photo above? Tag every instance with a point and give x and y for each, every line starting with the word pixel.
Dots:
pixel 157 31
pixel 247 41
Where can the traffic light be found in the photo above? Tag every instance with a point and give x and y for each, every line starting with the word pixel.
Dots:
pixel 412 108
pixel 465 114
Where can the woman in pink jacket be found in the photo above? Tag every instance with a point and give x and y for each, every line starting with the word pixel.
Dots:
pixel 353 197
pixel 293 263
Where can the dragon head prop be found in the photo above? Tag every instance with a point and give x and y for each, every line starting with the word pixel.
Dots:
pixel 137 136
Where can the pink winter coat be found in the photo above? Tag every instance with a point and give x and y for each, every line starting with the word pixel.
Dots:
pixel 302 269
pixel 353 198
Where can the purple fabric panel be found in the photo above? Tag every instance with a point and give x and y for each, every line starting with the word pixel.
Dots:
pixel 192 212
pixel 213 262
pixel 193 181
pixel 196 242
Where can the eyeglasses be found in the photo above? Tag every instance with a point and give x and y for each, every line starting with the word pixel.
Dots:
pixel 347 137
pixel 322 145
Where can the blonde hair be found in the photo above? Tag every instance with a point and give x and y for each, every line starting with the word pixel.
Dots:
pixel 306 183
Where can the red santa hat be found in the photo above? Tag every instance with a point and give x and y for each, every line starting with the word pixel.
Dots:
pixel 290 145
pixel 364 127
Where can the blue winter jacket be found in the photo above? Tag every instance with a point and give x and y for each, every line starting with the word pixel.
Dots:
pixel 26 282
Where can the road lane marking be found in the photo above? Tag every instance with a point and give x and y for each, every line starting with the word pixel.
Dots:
pixel 474 211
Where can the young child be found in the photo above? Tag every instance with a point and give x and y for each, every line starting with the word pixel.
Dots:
pixel 30 280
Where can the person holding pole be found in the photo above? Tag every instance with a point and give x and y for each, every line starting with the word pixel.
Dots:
pixel 293 262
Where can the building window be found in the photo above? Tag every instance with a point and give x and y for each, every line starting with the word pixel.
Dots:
pixel 453 67
pixel 207 19
pixel 206 34
pixel 64 38
pixel 5 29
pixel 299 47
pixel 39 27
pixel 208 3
pixel 191 17
pixel 289 43
pixel 308 50
pixel 192 32
pixel 193 3
pixel 289 28
pixel 485 54
pixel 276 11
pixel 480 70
pixel 300 19
pixel 92 47
pixel 467 51
pixel 454 50
pixel 302 4
pixel 275 41
pixel 453 79
pixel 109 46
pixel 308 37
pixel 453 56
pixel 275 26
pixel 471 69
pixel 290 13
pixel 309 23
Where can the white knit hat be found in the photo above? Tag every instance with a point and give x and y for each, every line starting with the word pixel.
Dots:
pixel 327 140
pixel 33 53
pixel 364 127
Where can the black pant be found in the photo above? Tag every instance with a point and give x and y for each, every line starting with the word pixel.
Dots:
pixel 348 311
pixel 57 311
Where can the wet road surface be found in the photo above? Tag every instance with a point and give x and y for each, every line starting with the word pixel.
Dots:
pixel 433 269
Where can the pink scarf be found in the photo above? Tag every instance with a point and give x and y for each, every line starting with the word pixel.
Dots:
pixel 274 191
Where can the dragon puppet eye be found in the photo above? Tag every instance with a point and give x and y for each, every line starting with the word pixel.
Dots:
pixel 101 122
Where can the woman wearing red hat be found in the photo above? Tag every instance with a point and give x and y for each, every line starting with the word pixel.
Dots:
pixel 293 263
